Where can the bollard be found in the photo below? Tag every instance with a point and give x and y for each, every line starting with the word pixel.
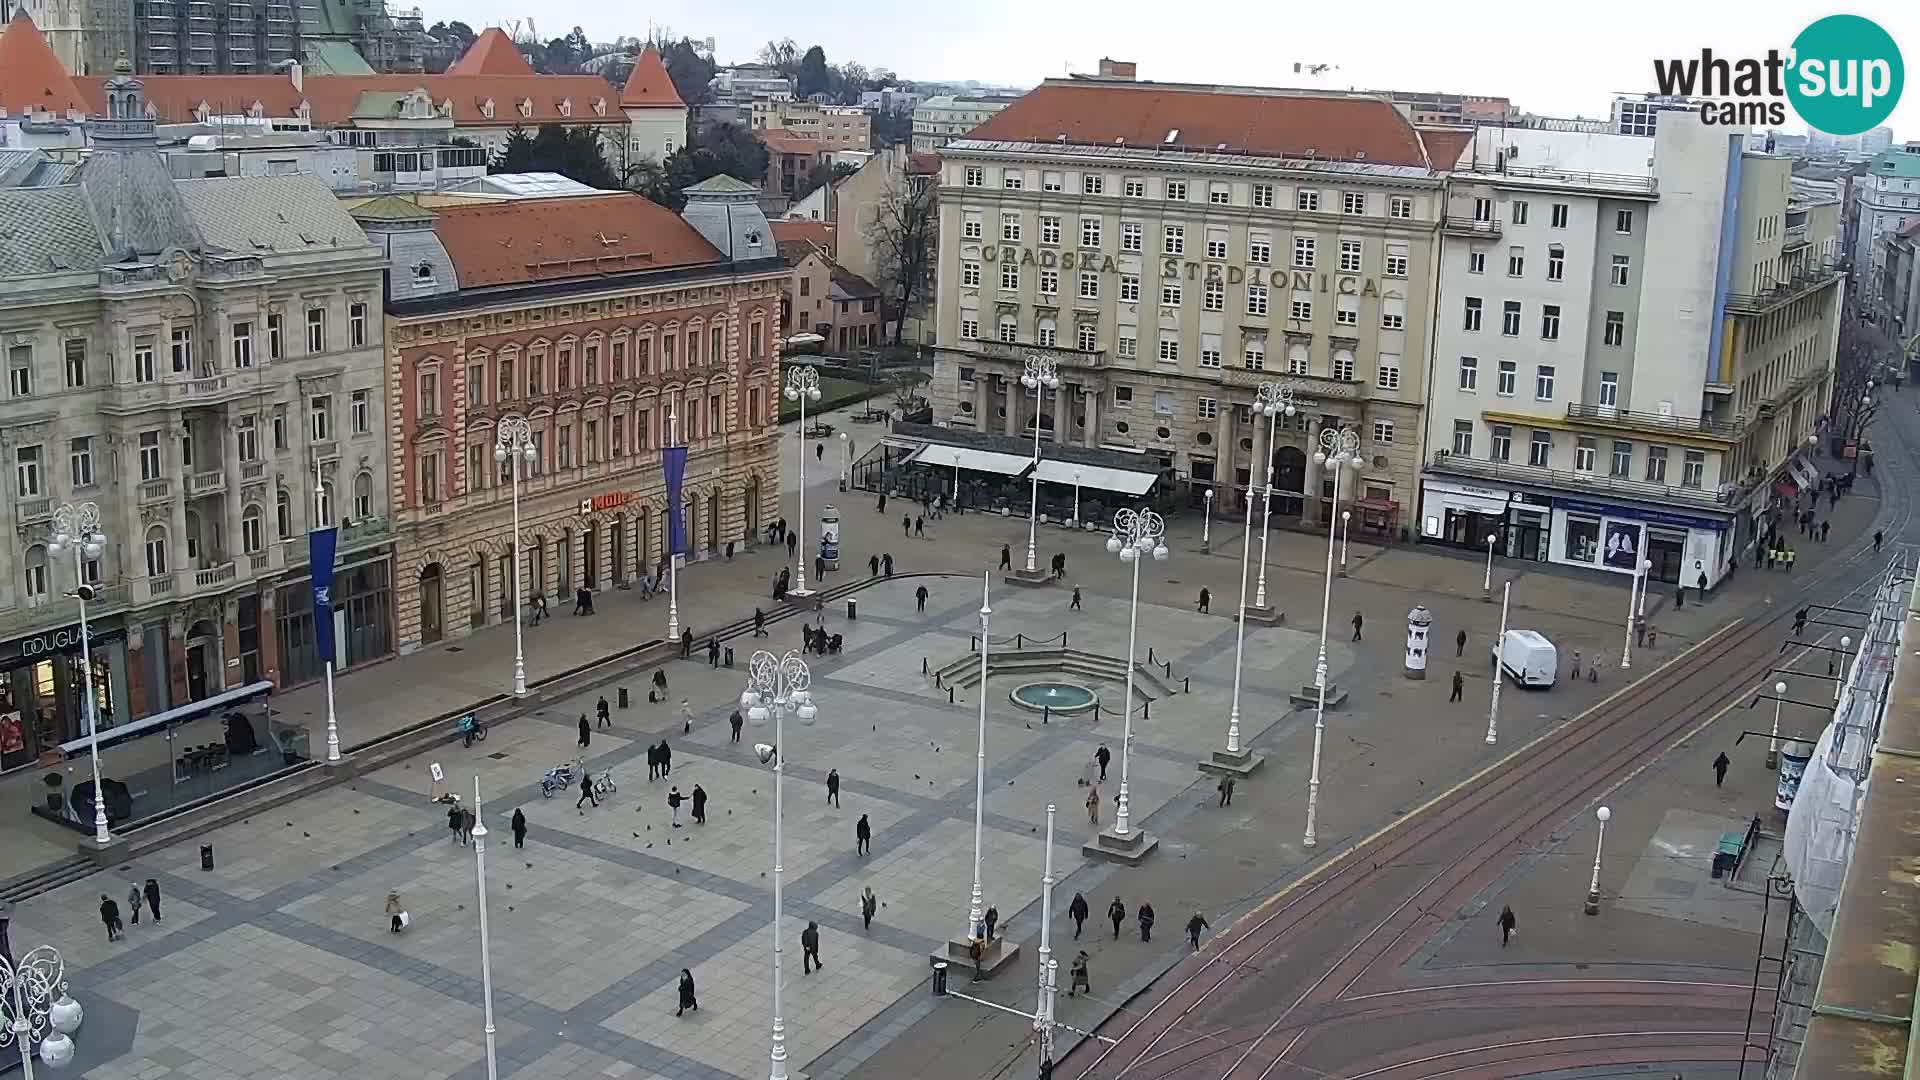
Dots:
pixel 973 642
pixel 623 697
pixel 923 665
pixel 1146 711
pixel 940 978
pixel 937 684
pixel 1046 714
pixel 1019 642
pixel 1186 684
pixel 206 856
pixel 949 695
pixel 1169 666
pixel 853 609
pixel 1150 658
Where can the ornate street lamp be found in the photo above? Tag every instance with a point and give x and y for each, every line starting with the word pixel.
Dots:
pixel 76 527
pixel 1136 535
pixel 1340 450
pixel 1042 374
pixel 513 445
pixel 776 684
pixel 803 385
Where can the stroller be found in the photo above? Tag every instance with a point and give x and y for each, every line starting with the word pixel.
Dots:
pixel 559 778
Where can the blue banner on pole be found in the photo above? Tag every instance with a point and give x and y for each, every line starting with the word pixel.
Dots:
pixel 673 459
pixel 321 544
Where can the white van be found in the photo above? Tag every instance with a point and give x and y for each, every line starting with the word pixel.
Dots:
pixel 1529 658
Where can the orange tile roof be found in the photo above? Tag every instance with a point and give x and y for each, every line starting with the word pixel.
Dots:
pixel 1333 127
pixel 782 141
pixel 649 86
pixel 30 75
pixel 818 234
pixel 332 98
pixel 529 240
pixel 923 164
pixel 1445 145
pixel 492 53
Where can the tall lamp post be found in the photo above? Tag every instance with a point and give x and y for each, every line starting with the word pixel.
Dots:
pixel 1593 887
pixel 1486 583
pixel 1136 535
pixel 1346 517
pixel 1043 1007
pixel 1339 449
pixel 1272 401
pixel 774 685
pixel 1634 595
pixel 976 905
pixel 1773 737
pixel 34 1006
pixel 1042 374
pixel 803 385
pixel 1206 522
pixel 77 526
pixel 674 523
pixel 512 446
pixel 323 516
pixel 1499 676
pixel 486 943
pixel 846 462
pixel 1076 499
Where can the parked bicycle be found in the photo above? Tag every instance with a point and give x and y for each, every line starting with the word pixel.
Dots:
pixel 559 778
pixel 603 785
pixel 471 728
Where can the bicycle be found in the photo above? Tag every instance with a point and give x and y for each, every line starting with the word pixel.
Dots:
pixel 559 778
pixel 470 728
pixel 603 785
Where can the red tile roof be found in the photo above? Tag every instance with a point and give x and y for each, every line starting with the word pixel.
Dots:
pixel 649 86
pixel 492 53
pixel 781 141
pixel 1445 145
pixel 332 98
pixel 528 240
pixel 923 164
pixel 815 233
pixel 30 75
pixel 1331 127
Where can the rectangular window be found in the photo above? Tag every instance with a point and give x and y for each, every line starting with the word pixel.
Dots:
pixel 1127 345
pixel 360 405
pixel 1502 443
pixel 316 330
pixel 1170 295
pixel 1052 181
pixel 1046 334
pixel 1208 408
pixel 1176 191
pixel 1556 263
pixel 1169 348
pixel 1136 187
pixel 1510 318
pixel 182 350
pixel 1093 184
pixel 276 336
pixel 20 370
pixel 1623 221
pixel 1609 389
pixel 1393 314
pixel 1130 288
pixel 1621 267
pixel 1558 219
pixel 1353 202
pixel 1303 252
pixel 969 275
pixel 1472 313
pixel 1259 246
pixel 1350 256
pixel 247 439
pixel 1219 194
pixel 537 367
pixel 242 350
pixel 1173 239
pixel 1483 209
pixel 1516 259
pixel 1253 354
pixel 1616 329
pixel 143 366
pixel 1012 180
pixel 1217 244
pixel 1162 403
pixel 1540 450
pixel 320 419
pixel 1298 362
pixel 26 463
pixel 1256 299
pixel 1584 449
pixel 1131 236
pixel 1508 379
pixel 975 177
pixel 80 461
pixel 1622 466
pixel 1049 282
pixel 1399 206
pixel 1387 372
pixel 1656 464
pixel 1010 227
pixel 1050 230
pixel 969 326
pixel 1383 431
pixel 1302 310
pixel 1519 212
pixel 1396 265
pixel 1476 262
pixel 357 324
pixel 1550 322
pixel 1263 195
pixel 150 465
pixel 1693 469
pixel 1210 351
pixel 1090 232
pixel 1463 438
pixel 76 358
pixel 1305 199
pixel 1543 382
pixel 1009 276
pixel 1089 338
pixel 1214 295
pixel 1009 330
pixel 1089 285
pixel 1469 373
pixel 971 228
pixel 280 430
pixel 1346 310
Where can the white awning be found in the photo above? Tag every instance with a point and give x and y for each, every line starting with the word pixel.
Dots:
pixel 1125 481
pixel 971 460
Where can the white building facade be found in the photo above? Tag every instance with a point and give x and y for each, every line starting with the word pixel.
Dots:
pixel 1885 200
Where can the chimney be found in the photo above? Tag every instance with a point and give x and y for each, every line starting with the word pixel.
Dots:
pixel 1117 69
pixel 297 76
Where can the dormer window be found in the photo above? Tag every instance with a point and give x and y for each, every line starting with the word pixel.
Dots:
pixel 599 106
pixel 526 106
pixel 486 108
pixel 422 275
pixel 566 106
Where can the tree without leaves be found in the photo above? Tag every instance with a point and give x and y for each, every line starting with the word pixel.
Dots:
pixel 823 173
pixel 1866 353
pixel 782 54
pixel 905 384
pixel 902 233
pixel 573 152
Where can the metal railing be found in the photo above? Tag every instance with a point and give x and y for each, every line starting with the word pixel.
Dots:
pixel 1461 224
pixel 1817 276
pixel 1579 481
pixel 1615 181
pixel 1646 421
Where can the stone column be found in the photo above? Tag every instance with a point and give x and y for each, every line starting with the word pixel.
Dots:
pixel 269 638
pixel 982 402
pixel 229 646
pixel 1062 413
pixel 137 693
pixel 1016 397
pixel 1310 506
pixel 1093 418
pixel 177 559
pixel 177 655
pixel 230 467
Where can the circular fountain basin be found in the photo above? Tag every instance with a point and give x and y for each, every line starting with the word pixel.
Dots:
pixel 1055 697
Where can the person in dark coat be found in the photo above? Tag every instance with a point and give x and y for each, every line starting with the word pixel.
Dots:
pixel 906 525
pixel 653 763
pixel 873 566
pixel 110 915
pixel 673 803
pixel 1146 921
pixel 660 682
pixel 1116 914
pixel 886 564
pixel 468 819
pixel 666 758
pixel 1460 644
pixel 152 891
pixel 686 644
pixel 1358 621
pixel 519 826
pixel 734 720
pixel 992 918
pixel 759 623
pixel 687 1000
pixel 1459 684
pixel 1075 605
pixel 1194 926
pixel 862 837
pixel 1206 597
pixel 810 948
pixel 699 805
pixel 1006 557
pixel 869 904
pixel 920 599
pixel 833 787
pixel 1078 911
pixel 453 821
pixel 586 791
pixel 1506 925
pixel 586 733
pixel 1103 755
pixel 793 543
pixel 1720 765
pixel 605 715
pixel 1078 974
pixel 713 652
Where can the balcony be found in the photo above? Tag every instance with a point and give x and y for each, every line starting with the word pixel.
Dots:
pixel 27 511
pixel 1472 227
pixel 1018 352
pixel 176 392
pixel 1620 183
pixel 209 482
pixel 1813 278
pixel 155 491
pixel 215 575
pixel 1591 483
pixel 151 589
pixel 1310 386
pixel 1657 423
pixel 252 470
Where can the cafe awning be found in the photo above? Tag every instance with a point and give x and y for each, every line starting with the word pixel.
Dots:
pixel 1098 477
pixel 986 461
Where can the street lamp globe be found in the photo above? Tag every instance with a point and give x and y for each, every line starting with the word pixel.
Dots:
pixel 748 699
pixel 1160 553
pixel 805 711
pixel 1780 688
pixel 757 713
pixel 1128 553
pixel 66 1014
pixel 57 1050
pixel 500 453
pixel 1113 544
pixel 1605 815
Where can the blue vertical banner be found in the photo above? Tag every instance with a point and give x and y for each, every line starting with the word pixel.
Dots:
pixel 673 460
pixel 321 544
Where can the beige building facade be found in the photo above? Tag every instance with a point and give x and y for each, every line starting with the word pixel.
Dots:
pixel 1174 250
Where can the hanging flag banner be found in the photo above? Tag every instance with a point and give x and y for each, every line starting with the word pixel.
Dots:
pixel 673 460
pixel 320 550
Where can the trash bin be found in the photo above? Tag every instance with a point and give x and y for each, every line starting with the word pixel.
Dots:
pixel 853 609
pixel 940 978
pixel 206 856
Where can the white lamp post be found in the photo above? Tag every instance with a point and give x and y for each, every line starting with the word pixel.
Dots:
pixel 323 515
pixel 1639 576
pixel 1339 449
pixel 1136 535
pixel 846 460
pixel 1240 617
pixel 77 526
pixel 673 557
pixel 1206 521
pixel 1773 737
pixel 1043 1007
pixel 1346 517
pixel 803 385
pixel 1646 578
pixel 513 445
pixel 486 943
pixel 1486 583
pixel 1076 499
pixel 1593 887
pixel 776 684
pixel 1042 374
pixel 1499 647
pixel 976 906
pixel 1273 401
pixel 34 1006
pixel 1846 643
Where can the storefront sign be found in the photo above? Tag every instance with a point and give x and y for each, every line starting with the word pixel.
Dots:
pixel 1635 513
pixel 607 502
pixel 1175 269
pixel 56 641
pixel 1469 489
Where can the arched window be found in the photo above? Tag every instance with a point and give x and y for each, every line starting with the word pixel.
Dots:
pixel 283 514
pixel 253 533
pixel 157 562
pixel 363 495
pixel 36 574
pixel 1049 331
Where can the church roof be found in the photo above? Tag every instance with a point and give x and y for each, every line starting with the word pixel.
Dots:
pixel 30 75
pixel 492 53
pixel 649 86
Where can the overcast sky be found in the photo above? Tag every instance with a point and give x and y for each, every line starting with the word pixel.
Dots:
pixel 1546 58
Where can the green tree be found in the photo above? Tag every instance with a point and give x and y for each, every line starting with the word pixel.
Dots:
pixel 813 76
pixel 823 173
pixel 722 148
pixel 691 72
pixel 573 152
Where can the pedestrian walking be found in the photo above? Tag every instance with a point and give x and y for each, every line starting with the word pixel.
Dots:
pixel 1103 755
pixel 666 758
pixel 920 598
pixel 1075 605
pixel 810 948
pixel 880 506
pixel 1194 926
pixel 586 791
pixel 653 763
pixel 152 890
pixel 1575 675
pixel 1460 644
pixel 660 682
pixel 519 827
pixel 1824 526
pixel 1006 557
pixel 920 527
pixel 1680 598
pixel 820 568
pixel 586 733
pixel 1226 790
pixel 1093 805
pixel 1116 914
pixel 1878 536
pixel 686 644
pixel 992 919
pixel 886 564
pixel 734 720
pixel 862 837
pixel 687 1000
pixel 673 803
pixel 906 525
pixel 1720 769
pixel 1700 586
pixel 833 787
pixel 1506 925
pixel 453 822
pixel 1145 915
pixel 1206 598
pixel 396 913
pixel 1077 974
pixel 1459 684
pixel 1078 912
pixel 793 544
pixel 699 805
pixel 1791 556
pixel 604 714
pixel 869 904
pixel 819 451
pixel 686 717
pixel 1358 620
pixel 1799 621
pixel 133 902
pixel 467 821
pixel 713 652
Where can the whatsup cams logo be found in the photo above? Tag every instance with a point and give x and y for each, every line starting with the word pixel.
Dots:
pixel 1843 75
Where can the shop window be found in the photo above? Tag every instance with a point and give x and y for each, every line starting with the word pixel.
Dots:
pixel 1583 539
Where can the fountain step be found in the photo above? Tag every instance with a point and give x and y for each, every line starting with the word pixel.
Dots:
pixel 1309 697
pixel 1131 850
pixel 964 671
pixel 1238 766
pixel 999 953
